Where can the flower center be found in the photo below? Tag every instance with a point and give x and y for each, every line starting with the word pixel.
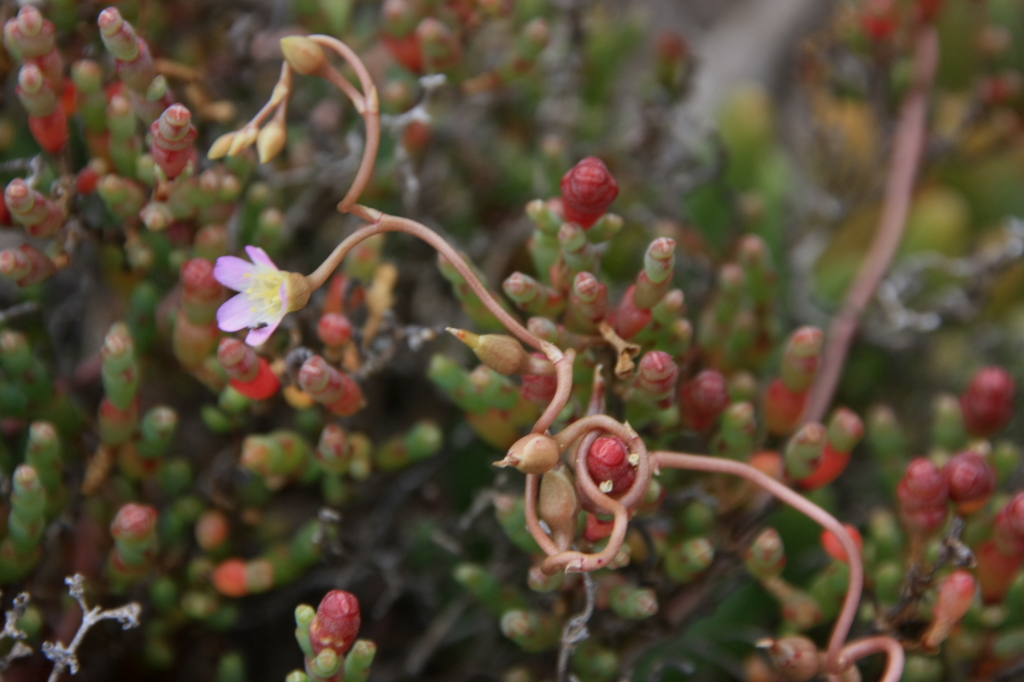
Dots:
pixel 264 293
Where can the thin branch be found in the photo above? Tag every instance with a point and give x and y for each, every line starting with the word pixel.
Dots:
pixel 65 657
pixel 575 630
pixel 906 155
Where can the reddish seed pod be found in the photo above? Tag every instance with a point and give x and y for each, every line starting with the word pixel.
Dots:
pixel 702 399
pixel 609 467
pixel 336 623
pixel 971 479
pixel 588 189
pixel 987 403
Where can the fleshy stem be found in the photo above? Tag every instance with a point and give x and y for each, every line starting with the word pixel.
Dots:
pixel 835 662
pixel 906 154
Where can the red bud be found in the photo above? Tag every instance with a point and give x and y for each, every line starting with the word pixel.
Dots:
pixel 588 189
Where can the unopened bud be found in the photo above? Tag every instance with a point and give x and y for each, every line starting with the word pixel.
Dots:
pixel 303 55
pixel 559 505
pixel 271 140
pixel 532 454
pixel 796 658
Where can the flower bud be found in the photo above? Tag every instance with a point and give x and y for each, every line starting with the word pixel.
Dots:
pixel 220 146
pixel 795 657
pixel 271 140
pixel 971 479
pixel 588 189
pixel 559 505
pixel 502 353
pixel 987 403
pixel 303 55
pixel 534 453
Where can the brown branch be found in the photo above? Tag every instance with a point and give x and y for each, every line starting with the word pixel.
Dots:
pixel 906 155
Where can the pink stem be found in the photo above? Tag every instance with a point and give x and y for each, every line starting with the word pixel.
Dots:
pixel 369 109
pixel 909 144
pixel 854 651
pixel 841 629
pixel 381 222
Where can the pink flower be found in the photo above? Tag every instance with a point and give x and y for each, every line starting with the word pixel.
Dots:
pixel 266 294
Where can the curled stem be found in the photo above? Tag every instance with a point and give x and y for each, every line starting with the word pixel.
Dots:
pixel 834 662
pixel 860 648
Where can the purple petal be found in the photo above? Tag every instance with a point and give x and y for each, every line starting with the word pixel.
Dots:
pixel 236 313
pixel 260 257
pixel 231 271
pixel 257 337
